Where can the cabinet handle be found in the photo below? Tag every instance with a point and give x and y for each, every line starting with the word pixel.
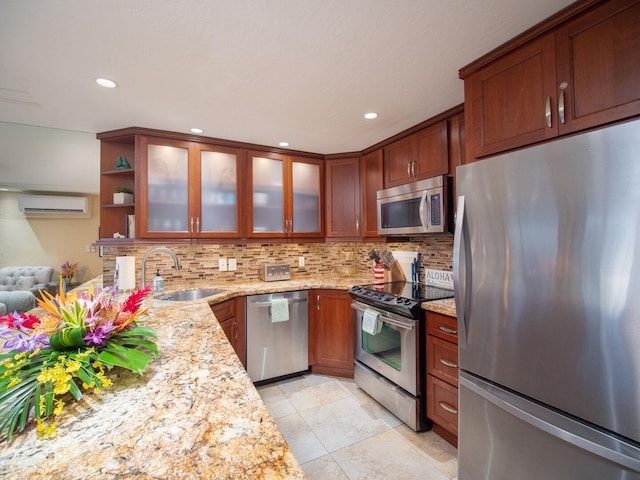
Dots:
pixel 450 331
pixel 357 225
pixel 409 169
pixel 448 408
pixel 563 85
pixel 318 302
pixel 547 111
pixel 191 228
pixel 198 225
pixel 447 363
pixel 414 168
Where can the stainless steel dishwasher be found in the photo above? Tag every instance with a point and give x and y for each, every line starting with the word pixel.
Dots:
pixel 277 334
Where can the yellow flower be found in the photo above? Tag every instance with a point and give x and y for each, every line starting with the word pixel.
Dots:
pixel 59 407
pixel 104 380
pixel 14 381
pixel 73 366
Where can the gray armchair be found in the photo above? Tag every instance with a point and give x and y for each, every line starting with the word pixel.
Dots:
pixel 18 301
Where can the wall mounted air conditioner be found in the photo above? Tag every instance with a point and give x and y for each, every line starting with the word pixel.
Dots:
pixel 53 205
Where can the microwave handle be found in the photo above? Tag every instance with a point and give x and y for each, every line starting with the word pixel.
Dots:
pixel 425 202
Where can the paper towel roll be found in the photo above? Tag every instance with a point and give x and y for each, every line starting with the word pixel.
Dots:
pixel 126 268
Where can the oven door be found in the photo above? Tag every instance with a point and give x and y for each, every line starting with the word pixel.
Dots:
pixel 392 352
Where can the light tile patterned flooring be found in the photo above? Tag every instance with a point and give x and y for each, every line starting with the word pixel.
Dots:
pixel 337 431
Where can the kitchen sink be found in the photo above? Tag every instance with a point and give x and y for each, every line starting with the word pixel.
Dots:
pixel 189 295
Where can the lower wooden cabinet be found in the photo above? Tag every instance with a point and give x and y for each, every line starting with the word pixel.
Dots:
pixel 331 333
pixel 442 375
pixel 230 315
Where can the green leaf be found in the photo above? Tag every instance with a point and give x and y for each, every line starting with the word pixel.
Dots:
pixel 74 390
pixel 129 358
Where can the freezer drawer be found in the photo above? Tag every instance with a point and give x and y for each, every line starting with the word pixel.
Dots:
pixel 503 436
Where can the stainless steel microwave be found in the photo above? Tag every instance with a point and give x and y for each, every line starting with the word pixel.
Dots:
pixel 414 208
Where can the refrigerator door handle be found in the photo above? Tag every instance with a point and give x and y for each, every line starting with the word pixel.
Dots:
pixel 460 284
pixel 593 442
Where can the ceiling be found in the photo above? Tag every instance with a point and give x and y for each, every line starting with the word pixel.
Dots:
pixel 258 71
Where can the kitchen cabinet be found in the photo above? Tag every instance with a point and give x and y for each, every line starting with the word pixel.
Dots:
pixel 189 190
pixel 418 156
pixel 580 74
pixel 331 340
pixel 113 218
pixel 456 150
pixel 343 198
pixel 287 196
pixel 442 375
pixel 230 315
pixel 371 175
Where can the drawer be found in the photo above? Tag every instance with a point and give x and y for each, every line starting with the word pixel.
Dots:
pixel 442 404
pixel 442 360
pixel 224 310
pixel 442 326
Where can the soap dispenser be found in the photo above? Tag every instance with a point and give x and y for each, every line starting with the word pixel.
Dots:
pixel 158 282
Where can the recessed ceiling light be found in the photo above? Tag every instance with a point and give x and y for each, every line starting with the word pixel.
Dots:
pixel 105 82
pixel 284 144
pixel 196 130
pixel 370 115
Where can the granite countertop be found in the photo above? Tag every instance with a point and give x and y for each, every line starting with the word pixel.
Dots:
pixel 446 306
pixel 194 413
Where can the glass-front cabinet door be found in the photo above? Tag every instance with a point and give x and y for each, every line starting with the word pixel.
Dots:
pixel 165 210
pixel 190 190
pixel 218 173
pixel 286 196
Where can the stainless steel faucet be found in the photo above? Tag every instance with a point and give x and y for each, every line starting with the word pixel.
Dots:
pixel 154 250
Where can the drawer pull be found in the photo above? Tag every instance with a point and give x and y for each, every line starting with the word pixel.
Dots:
pixel 448 408
pixel 447 363
pixel 450 331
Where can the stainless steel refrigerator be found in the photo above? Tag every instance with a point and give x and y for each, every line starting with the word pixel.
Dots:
pixel 547 283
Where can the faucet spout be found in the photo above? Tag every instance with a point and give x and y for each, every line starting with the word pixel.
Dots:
pixel 176 262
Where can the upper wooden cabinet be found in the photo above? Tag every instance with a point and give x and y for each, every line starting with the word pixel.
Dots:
pixel 286 196
pixel 371 178
pixel 579 73
pixel 189 190
pixel 343 198
pixel 418 156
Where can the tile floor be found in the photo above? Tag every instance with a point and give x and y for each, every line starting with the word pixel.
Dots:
pixel 337 431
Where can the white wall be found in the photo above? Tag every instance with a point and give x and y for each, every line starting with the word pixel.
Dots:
pixel 48 241
pixel 49 159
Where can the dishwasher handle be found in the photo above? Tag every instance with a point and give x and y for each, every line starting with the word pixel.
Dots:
pixel 268 304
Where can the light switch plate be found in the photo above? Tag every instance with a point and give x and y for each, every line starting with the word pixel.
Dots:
pixel 300 261
pixel 222 264
pixel 232 265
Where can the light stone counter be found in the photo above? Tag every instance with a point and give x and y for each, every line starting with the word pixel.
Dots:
pixel 446 306
pixel 194 413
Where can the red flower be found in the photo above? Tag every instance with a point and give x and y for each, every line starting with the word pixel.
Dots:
pixel 21 321
pixel 134 301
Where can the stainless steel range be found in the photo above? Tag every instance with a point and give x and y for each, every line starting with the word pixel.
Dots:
pixel 390 346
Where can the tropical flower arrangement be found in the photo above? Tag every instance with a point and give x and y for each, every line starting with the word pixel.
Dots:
pixel 68 270
pixel 47 361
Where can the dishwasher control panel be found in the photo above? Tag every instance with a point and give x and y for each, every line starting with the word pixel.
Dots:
pixel 272 272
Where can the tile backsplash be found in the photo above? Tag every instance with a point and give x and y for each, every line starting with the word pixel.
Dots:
pixel 200 262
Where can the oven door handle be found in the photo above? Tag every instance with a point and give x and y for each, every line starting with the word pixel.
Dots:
pixel 391 319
